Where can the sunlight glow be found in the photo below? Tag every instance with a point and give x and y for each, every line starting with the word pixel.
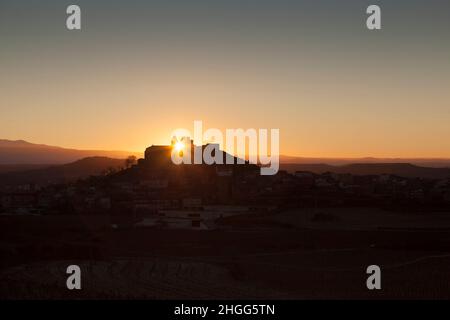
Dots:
pixel 179 146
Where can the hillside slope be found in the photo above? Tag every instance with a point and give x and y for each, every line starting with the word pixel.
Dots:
pixel 62 173
pixel 22 152
pixel 400 169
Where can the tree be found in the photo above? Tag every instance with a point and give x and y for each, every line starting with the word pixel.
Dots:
pixel 130 161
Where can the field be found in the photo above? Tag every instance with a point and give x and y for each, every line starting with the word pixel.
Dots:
pixel 288 255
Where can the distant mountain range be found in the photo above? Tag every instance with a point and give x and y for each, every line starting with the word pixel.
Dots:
pixel 423 162
pixel 21 152
pixel 51 174
pixel 400 169
pixel 22 162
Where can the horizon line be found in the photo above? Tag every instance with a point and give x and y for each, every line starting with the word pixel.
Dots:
pixel 368 157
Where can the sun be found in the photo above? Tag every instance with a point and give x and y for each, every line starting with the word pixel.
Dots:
pixel 179 146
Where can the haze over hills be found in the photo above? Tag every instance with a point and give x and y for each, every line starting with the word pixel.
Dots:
pixel 42 162
pixel 399 169
pixel 424 162
pixel 21 152
pixel 98 165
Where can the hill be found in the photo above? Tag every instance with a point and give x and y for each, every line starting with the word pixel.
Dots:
pixel 61 173
pixel 5 168
pixel 422 162
pixel 22 152
pixel 400 169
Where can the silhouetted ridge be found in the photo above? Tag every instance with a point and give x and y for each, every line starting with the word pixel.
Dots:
pixel 23 152
pixel 400 169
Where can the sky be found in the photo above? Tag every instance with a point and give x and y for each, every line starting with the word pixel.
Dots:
pixel 137 70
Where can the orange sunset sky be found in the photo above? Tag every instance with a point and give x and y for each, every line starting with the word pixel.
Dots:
pixel 309 68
